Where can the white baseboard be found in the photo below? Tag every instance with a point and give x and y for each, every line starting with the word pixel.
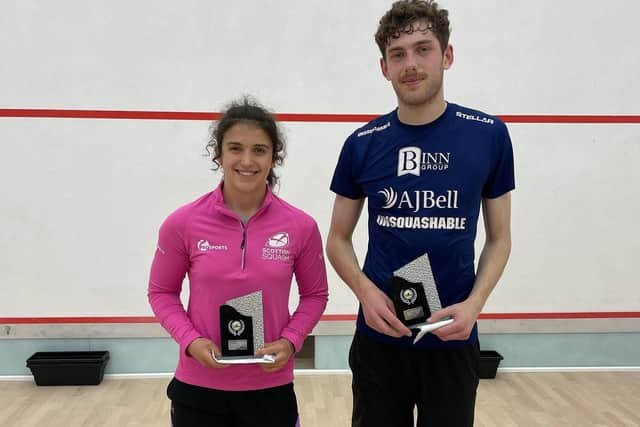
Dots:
pixel 301 372
pixel 16 378
pixel 572 369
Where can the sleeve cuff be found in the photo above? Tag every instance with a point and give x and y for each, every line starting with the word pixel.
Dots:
pixel 188 339
pixel 295 341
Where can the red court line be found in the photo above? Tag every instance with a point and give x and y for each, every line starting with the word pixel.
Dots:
pixel 534 316
pixel 171 115
pixel 577 315
pixel 107 114
pixel 598 119
pixel 56 320
pixel 327 317
pixel 288 117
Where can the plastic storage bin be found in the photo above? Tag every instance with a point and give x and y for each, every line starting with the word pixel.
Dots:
pixel 68 367
pixel 489 361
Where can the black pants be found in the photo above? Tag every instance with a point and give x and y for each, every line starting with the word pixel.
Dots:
pixel 193 406
pixel 389 381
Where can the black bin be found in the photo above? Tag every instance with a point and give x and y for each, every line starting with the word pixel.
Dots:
pixel 68 367
pixel 489 361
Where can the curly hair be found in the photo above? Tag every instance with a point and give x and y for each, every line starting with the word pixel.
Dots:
pixel 247 110
pixel 404 16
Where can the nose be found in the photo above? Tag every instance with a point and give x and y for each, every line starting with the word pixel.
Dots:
pixel 246 157
pixel 410 62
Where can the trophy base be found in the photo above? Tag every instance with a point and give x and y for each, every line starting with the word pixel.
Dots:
pixel 423 328
pixel 244 360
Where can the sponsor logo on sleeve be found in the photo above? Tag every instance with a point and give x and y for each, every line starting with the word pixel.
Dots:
pixel 374 129
pixel 475 118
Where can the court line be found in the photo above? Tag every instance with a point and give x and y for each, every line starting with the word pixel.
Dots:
pixel 326 317
pixel 291 117
pixel 301 117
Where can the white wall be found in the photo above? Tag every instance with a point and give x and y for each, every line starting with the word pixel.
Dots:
pixel 81 199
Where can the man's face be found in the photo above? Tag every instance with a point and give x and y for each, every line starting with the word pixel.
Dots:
pixel 415 65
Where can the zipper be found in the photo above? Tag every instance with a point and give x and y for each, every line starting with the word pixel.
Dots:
pixel 243 244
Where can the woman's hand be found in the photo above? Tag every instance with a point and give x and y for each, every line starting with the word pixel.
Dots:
pixel 282 350
pixel 203 350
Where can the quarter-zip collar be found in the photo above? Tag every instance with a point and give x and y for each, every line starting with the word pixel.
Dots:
pixel 220 207
pixel 217 199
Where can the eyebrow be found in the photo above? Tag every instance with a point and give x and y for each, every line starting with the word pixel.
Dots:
pixel 259 144
pixel 418 43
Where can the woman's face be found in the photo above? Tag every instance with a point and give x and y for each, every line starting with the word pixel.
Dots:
pixel 246 158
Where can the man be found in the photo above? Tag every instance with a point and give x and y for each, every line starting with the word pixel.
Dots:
pixel 426 168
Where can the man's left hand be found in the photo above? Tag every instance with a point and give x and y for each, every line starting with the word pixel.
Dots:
pixel 464 316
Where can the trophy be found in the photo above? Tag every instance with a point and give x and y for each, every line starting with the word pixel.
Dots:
pixel 409 301
pixel 415 296
pixel 242 330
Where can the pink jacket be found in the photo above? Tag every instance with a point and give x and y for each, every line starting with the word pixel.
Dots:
pixel 225 259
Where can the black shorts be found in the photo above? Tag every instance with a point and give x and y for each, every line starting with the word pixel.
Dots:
pixel 389 381
pixel 193 406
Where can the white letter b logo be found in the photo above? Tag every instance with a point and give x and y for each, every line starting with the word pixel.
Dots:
pixel 409 161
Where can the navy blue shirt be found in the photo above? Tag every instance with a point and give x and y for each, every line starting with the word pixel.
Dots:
pixel 424 186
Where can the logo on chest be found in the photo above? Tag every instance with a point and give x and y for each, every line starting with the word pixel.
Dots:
pixel 276 247
pixel 419 199
pixel 204 246
pixel 412 161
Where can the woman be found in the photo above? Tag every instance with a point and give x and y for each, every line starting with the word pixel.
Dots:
pixel 234 241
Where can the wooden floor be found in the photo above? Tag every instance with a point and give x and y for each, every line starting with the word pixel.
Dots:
pixel 512 399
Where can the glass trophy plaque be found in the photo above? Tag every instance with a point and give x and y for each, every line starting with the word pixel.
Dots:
pixel 242 330
pixel 415 296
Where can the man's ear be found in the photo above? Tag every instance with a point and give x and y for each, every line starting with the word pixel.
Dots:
pixel 383 68
pixel 447 57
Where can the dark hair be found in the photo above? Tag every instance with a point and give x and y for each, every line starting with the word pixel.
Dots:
pixel 247 110
pixel 403 17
